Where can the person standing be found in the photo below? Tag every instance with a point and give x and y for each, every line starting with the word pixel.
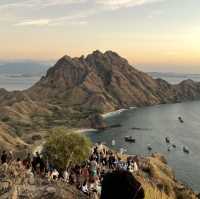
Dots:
pixel 4 157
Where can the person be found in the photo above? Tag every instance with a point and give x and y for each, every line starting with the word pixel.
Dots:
pixel 10 157
pixel 93 167
pixel 27 161
pixel 93 194
pixel 54 174
pixel 72 177
pixel 36 161
pixel 135 167
pixel 95 150
pixel 19 164
pixel 121 185
pixel 130 168
pixel 85 173
pixel 66 175
pixel 4 157
pixel 84 188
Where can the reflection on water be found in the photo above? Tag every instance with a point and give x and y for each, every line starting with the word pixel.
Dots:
pixel 151 125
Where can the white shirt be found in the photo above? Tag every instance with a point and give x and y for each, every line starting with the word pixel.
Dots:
pixel 55 173
pixel 135 167
pixel 66 176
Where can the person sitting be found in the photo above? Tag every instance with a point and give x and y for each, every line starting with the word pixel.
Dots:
pixel 54 174
pixel 121 185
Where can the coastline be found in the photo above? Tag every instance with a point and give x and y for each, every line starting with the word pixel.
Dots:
pixel 117 112
pixel 85 130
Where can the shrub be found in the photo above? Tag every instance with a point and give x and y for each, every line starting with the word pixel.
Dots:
pixel 63 148
pixel 5 119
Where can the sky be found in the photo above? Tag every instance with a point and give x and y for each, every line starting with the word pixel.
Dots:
pixel 154 35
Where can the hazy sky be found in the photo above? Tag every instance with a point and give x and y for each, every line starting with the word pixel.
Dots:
pixel 155 35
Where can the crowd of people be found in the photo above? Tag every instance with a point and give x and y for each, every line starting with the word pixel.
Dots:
pixel 104 175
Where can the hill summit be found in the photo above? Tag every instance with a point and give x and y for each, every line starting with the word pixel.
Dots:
pixel 107 82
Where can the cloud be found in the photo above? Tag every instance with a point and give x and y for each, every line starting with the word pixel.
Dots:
pixel 76 19
pixel 39 3
pixel 47 3
pixel 48 22
pixel 79 15
pixel 117 4
pixel 39 22
pixel 20 19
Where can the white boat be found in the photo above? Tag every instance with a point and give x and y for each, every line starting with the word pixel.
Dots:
pixel 186 149
pixel 113 143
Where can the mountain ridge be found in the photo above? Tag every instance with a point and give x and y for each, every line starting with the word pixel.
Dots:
pixel 109 80
pixel 76 91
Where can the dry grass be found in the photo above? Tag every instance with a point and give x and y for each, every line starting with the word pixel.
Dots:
pixel 153 193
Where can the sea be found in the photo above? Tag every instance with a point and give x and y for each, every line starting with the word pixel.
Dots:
pixel 148 125
pixel 17 82
pixel 22 74
pixel 151 125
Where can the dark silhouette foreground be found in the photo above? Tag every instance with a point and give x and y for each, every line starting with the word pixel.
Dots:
pixel 121 185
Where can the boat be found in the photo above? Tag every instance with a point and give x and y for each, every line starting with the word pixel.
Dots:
pixel 149 147
pixel 115 126
pixel 129 139
pixel 186 150
pixel 180 120
pixel 113 142
pixel 167 140
pixel 173 145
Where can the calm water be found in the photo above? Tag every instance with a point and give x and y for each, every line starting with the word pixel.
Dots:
pixel 175 78
pixel 158 122
pixel 11 83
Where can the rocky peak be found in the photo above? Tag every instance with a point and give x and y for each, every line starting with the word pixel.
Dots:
pixel 107 81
